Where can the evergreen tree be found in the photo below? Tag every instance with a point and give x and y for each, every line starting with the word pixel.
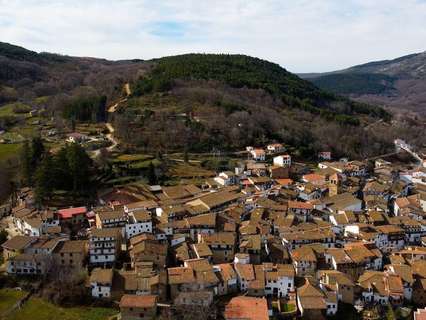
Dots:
pixel 186 156
pixel 152 175
pixel 37 151
pixel 44 179
pixel 26 163
pixel 79 167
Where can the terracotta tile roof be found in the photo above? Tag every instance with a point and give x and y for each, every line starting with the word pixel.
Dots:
pixel 70 212
pixel 245 271
pixel 106 233
pixel 247 308
pixel 135 301
pixel 202 250
pixel 339 255
pixel 208 219
pixel 142 215
pixel 404 271
pixel 181 191
pixel 72 246
pixel 180 275
pixel 311 297
pixel 18 242
pixel 146 204
pixel 284 182
pixel 359 253
pixel 227 271
pixel 112 215
pixel 390 228
pixel 102 276
pixel 299 205
pixel 338 277
pixel 304 253
pixel 420 314
pixel 227 238
pixel 217 199
pixel 314 178
pixel 419 268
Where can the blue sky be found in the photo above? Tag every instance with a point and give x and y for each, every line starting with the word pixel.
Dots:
pixel 300 35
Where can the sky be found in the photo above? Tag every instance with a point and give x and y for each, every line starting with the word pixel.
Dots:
pixel 300 35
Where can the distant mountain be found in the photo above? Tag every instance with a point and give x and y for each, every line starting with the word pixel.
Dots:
pixel 399 84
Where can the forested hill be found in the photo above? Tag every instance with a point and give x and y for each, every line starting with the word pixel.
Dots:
pixel 205 102
pixel 240 71
pixel 200 102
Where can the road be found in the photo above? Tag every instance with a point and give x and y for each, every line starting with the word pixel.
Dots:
pixel 112 109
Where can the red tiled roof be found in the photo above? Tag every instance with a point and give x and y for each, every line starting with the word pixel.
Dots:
pixel 70 212
pixel 248 308
pixel 134 301
pixel 300 205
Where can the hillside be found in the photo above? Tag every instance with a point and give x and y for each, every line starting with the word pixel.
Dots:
pixel 26 75
pixel 206 102
pixel 399 84
pixel 194 102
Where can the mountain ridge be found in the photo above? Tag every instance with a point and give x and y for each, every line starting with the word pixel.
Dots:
pixel 399 83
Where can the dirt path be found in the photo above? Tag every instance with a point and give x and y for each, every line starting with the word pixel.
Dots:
pixel 110 137
pixel 127 89
pixel 112 109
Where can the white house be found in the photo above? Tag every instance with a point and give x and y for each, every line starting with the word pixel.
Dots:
pixel 228 278
pixel 283 160
pixel 104 245
pixel 279 279
pixel 245 274
pixel 139 222
pixel 226 178
pixel 76 137
pixel 32 227
pixel 101 282
pixel 275 147
pixel 258 154
pixel 28 264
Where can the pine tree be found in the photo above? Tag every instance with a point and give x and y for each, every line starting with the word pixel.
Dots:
pixel 26 164
pixel 43 180
pixel 152 175
pixel 186 156
pixel 79 166
pixel 37 151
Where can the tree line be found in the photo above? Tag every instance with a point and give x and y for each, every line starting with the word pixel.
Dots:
pixel 69 169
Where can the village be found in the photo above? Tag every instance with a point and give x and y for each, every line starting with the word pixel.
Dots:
pixel 273 238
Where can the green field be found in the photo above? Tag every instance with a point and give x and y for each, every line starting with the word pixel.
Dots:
pixel 132 158
pixel 8 150
pixel 8 298
pixel 9 109
pixel 37 309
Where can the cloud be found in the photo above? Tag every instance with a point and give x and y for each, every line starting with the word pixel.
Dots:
pixel 301 35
